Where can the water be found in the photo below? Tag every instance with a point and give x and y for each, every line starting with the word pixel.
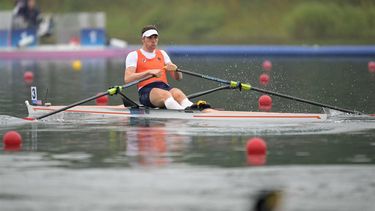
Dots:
pixel 118 164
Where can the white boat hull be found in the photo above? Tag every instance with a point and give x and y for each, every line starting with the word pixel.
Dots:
pixel 210 114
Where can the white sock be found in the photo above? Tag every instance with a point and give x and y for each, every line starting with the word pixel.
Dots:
pixel 186 103
pixel 171 103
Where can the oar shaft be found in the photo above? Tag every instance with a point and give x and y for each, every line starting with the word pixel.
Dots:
pixel 110 91
pixel 302 100
pixel 72 105
pixel 204 76
pixel 198 94
pixel 248 87
pixel 136 82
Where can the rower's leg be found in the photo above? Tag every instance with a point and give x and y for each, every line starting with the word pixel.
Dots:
pixel 171 103
pixel 186 103
pixel 180 97
pixel 161 98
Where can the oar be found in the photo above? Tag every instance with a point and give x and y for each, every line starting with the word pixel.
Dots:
pixel 110 91
pixel 198 94
pixel 245 86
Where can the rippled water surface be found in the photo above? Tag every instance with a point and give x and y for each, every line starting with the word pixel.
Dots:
pixel 150 164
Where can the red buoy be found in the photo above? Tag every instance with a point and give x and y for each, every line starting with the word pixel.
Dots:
pixel 28 77
pixel 256 149
pixel 12 139
pixel 265 103
pixel 256 146
pixel 267 65
pixel 103 100
pixel 264 79
pixel 74 40
pixel 371 66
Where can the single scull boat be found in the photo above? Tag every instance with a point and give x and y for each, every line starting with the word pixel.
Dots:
pixel 144 112
pixel 133 109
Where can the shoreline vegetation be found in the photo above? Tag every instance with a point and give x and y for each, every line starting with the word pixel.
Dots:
pixel 307 22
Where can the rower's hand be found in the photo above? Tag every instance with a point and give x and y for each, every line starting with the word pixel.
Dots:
pixel 170 67
pixel 155 72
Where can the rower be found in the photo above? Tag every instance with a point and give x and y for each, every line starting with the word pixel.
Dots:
pixel 150 61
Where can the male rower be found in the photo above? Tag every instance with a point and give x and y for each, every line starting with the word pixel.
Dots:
pixel 150 61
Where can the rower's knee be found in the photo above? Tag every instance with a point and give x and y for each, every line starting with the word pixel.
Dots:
pixel 165 95
pixel 177 94
pixel 158 96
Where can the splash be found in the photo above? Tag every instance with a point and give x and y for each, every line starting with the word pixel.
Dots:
pixel 6 120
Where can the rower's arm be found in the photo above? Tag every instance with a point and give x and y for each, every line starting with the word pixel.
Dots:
pixel 172 71
pixel 131 74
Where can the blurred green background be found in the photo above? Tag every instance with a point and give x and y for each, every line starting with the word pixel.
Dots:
pixel 231 21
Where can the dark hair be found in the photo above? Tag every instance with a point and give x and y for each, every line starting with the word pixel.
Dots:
pixel 148 27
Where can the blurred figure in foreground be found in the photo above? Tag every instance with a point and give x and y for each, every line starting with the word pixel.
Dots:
pixel 268 200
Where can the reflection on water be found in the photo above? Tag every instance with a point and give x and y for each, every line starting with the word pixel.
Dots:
pixel 168 164
pixel 153 146
pixel 145 142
